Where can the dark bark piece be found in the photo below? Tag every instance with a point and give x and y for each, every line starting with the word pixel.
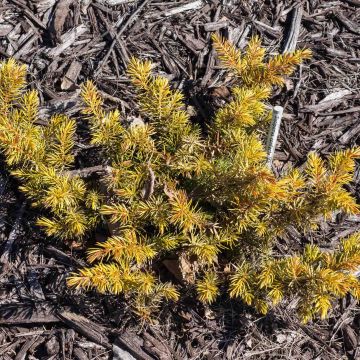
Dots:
pixel 60 13
pixel 63 257
pixel 354 2
pixel 124 27
pixel 23 313
pixel 294 30
pixel 85 327
pixel 79 354
pixel 158 348
pixel 271 31
pixel 341 112
pixel 328 102
pixel 70 338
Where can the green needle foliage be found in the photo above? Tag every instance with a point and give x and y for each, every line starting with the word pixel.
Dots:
pixel 173 190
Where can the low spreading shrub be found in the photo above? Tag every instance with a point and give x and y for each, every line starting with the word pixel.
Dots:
pixel 201 201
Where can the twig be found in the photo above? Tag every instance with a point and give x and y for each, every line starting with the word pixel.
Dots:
pixel 88 171
pixel 148 189
pixel 328 102
pixel 189 6
pixel 63 257
pixel 341 112
pixel 118 2
pixel 273 133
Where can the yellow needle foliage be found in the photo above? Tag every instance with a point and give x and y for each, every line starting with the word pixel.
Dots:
pixel 40 157
pixel 174 190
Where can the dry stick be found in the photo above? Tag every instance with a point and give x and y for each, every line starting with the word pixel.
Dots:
pixel 148 189
pixel 118 2
pixel 88 171
pixel 189 6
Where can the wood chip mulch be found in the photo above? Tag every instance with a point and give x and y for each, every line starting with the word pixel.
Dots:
pixel 65 42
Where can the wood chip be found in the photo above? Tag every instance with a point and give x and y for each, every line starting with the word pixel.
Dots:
pixel 87 328
pixel 186 7
pixel 69 80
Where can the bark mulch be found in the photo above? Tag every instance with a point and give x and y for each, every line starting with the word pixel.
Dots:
pixel 64 43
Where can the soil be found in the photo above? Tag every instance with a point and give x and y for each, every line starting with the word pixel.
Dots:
pixel 65 42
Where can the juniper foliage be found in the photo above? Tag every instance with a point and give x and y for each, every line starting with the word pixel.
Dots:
pixel 173 190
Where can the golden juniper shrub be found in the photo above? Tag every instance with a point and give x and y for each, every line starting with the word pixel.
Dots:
pixel 174 190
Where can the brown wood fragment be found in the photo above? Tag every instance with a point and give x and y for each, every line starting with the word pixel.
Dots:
pixel 294 30
pixel 118 2
pixel 63 257
pixel 216 25
pixel 132 343
pixel 52 346
pixel 80 354
pixel 28 13
pixel 22 313
pixel 35 288
pixel 158 348
pixel 69 80
pixel 348 135
pixel 341 112
pixel 328 102
pixel 273 32
pixel 85 327
pixel 60 13
pixel 185 7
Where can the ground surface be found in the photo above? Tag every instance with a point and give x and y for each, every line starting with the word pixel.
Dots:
pixel 65 42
